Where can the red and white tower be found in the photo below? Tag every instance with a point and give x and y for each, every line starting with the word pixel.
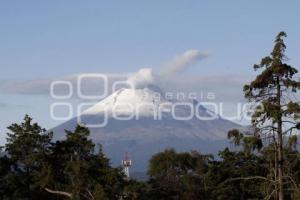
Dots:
pixel 126 164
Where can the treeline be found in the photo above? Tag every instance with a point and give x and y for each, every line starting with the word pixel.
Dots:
pixel 33 167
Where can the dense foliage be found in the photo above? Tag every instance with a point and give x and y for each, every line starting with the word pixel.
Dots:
pixel 34 167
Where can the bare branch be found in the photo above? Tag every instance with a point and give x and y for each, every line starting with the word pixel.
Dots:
pixel 247 178
pixel 66 194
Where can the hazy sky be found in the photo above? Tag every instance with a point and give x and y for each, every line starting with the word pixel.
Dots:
pixel 46 39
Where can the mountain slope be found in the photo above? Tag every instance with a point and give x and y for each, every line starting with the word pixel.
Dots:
pixel 152 127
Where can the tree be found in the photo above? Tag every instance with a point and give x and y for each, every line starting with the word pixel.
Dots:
pixel 276 112
pixel 26 147
pixel 32 167
pixel 74 171
pixel 4 171
pixel 178 175
pixel 235 176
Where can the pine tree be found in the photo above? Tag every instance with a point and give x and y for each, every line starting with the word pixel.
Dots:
pixel 26 147
pixel 75 171
pixel 276 111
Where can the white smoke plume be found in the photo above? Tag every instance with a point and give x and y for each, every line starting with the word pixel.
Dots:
pixel 182 62
pixel 141 78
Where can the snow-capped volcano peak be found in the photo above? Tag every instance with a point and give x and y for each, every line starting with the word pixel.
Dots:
pixel 142 97
pixel 144 102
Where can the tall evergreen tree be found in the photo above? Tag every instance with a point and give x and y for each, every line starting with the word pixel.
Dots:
pixel 26 147
pixel 277 112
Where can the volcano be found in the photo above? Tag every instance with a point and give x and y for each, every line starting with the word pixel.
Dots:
pixel 142 122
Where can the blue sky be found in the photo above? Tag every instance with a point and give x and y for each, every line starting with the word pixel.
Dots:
pixel 45 39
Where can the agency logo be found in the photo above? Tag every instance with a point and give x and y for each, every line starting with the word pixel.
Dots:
pixel 179 106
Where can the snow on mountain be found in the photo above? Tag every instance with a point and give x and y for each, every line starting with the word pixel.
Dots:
pixel 142 121
pixel 144 101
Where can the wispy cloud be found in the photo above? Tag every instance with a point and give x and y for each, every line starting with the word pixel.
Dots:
pixel 183 61
pixel 3 105
pixel 11 105
pixel 225 86
pixel 90 85
pixel 35 86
